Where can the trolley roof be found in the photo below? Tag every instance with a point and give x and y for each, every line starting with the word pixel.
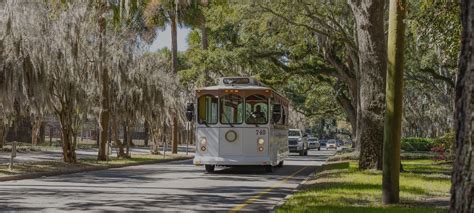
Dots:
pixel 240 85
pixel 243 83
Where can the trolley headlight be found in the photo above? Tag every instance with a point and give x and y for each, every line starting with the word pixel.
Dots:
pixel 261 141
pixel 260 149
pixel 203 141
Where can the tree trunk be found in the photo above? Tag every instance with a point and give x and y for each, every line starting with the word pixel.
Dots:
pixel 125 133
pixel 204 38
pixel 174 45
pixel 174 136
pixel 115 136
pixel 462 176
pixel 205 46
pixel 105 82
pixel 174 65
pixel 351 112
pixel 97 136
pixel 35 129
pixel 104 116
pixel 42 133
pixel 369 17
pixel 129 138
pixel 3 133
pixel 69 151
pixel 146 133
pixel 394 103
pixel 51 131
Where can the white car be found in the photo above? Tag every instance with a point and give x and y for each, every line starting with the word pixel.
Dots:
pixel 331 144
pixel 297 142
pixel 314 144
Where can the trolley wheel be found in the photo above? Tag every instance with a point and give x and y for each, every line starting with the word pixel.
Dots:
pixel 280 164
pixel 268 168
pixel 210 168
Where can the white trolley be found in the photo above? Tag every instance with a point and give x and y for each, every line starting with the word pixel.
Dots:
pixel 239 122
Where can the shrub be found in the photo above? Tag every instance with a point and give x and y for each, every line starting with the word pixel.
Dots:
pixel 445 145
pixel 417 144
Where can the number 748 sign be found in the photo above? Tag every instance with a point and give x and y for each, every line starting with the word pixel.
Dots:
pixel 261 132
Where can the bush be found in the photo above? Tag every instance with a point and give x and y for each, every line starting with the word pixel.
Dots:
pixel 417 144
pixel 444 145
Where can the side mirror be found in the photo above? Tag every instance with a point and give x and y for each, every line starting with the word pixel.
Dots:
pixel 276 112
pixel 189 111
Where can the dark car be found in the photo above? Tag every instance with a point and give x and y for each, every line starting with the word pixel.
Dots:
pixel 323 142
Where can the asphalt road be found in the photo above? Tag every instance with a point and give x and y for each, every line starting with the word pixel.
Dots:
pixel 177 186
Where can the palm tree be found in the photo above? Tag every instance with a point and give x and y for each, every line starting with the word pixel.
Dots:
pixel 159 13
pixel 123 15
pixel 394 102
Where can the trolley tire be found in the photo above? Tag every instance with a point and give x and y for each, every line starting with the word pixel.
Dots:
pixel 268 168
pixel 280 164
pixel 210 168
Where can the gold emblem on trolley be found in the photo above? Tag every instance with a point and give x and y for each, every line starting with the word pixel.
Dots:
pixel 231 136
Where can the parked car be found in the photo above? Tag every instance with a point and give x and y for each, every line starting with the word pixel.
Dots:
pixel 331 144
pixel 297 142
pixel 322 143
pixel 313 143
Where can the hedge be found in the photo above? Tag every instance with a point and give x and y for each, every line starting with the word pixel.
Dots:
pixel 417 144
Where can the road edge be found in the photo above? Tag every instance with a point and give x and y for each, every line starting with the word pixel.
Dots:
pixel 303 183
pixel 91 169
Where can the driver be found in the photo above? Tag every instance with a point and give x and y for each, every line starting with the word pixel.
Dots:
pixel 257 116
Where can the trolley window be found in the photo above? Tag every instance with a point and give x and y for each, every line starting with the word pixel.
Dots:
pixel 231 109
pixel 207 107
pixel 256 109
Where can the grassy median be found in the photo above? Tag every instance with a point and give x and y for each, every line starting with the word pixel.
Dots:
pixel 44 167
pixel 424 187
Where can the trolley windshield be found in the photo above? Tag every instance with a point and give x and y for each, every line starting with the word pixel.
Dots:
pixel 256 107
pixel 207 109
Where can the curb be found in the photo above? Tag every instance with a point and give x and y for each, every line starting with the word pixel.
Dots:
pixel 91 169
pixel 303 183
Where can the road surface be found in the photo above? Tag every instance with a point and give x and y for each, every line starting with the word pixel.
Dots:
pixel 176 186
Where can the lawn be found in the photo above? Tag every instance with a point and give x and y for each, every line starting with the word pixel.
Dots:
pixel 424 187
pixel 36 167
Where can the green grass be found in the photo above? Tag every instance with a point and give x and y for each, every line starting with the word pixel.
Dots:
pixel 136 158
pixel 427 166
pixel 350 154
pixel 55 166
pixel 351 190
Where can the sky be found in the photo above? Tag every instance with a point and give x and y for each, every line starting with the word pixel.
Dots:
pixel 164 39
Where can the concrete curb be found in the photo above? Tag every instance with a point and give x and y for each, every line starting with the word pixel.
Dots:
pixel 91 169
pixel 303 183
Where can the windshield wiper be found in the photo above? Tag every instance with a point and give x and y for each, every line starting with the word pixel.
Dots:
pixel 227 118
pixel 205 123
